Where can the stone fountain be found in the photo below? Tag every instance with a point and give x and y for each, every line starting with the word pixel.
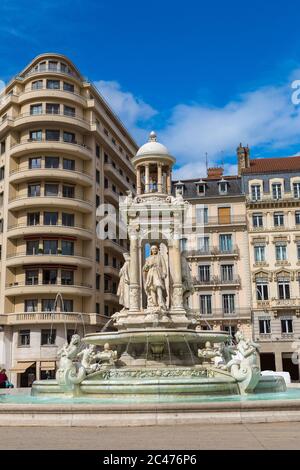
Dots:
pixel 156 352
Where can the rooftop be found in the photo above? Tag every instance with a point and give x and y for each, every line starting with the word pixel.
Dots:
pixel 273 165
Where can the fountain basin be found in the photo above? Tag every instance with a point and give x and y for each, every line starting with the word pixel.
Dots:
pixel 156 335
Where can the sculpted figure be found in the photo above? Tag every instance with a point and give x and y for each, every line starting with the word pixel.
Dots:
pixel 69 372
pixel 88 359
pixel 187 281
pixel 123 289
pixel 107 357
pixel 155 273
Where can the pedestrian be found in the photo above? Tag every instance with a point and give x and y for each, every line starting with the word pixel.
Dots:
pixel 3 378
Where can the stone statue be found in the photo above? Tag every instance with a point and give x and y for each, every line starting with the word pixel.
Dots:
pixel 88 359
pixel 107 357
pixel 69 372
pixel 208 353
pixel 244 366
pixel 155 273
pixel 187 281
pixel 124 285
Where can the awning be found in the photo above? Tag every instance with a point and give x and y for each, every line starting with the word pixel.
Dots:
pixel 21 367
pixel 48 365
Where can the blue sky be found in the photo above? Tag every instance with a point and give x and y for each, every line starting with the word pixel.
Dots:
pixel 205 75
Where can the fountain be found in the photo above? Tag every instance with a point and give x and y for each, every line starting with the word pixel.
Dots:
pixel 156 351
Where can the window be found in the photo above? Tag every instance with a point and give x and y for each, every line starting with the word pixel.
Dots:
pixel 24 338
pixel 51 189
pixel 97 281
pixel 69 137
pixel 205 305
pixel 225 242
pixel 106 158
pixel 67 277
pixel 35 163
pixel 203 244
pixel 49 276
pixel 97 151
pixel 34 190
pixel 68 191
pixel 264 326
pixel 68 87
pixel 281 254
pixel 48 305
pixel 37 85
pixel 2 147
pixel 50 247
pixel 68 164
pixel 202 215
pixel 68 219
pixel 97 254
pixel 227 272
pixel 298 251
pixel 183 244
pixel 255 192
pixel 284 290
pixel 31 305
pixel 106 310
pixel 51 162
pixel 52 135
pixel 35 135
pixel 69 111
pixel 106 260
pixel 97 308
pixel 31 277
pixel 36 109
pixel 262 290
pixel 223 187
pixel 68 305
pixel 297 217
pixel 201 189
pixel 287 325
pixel 70 333
pixel 204 273
pixel 53 84
pixel 32 247
pixel 52 108
pixel 52 66
pixel 67 247
pixel 259 253
pixel 276 191
pixel 278 219
pixel 50 218
pixel 231 330
pixel 48 337
pixel 113 187
pixel 33 218
pixel 257 220
pixel 296 188
pixel 97 200
pixel 105 183
pixel 98 176
pixel 228 302
pixel 2 170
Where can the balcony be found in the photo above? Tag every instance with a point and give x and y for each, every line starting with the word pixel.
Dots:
pixel 19 230
pixel 111 297
pixel 21 288
pixel 77 204
pixel 217 221
pixel 45 93
pixel 283 303
pixel 22 258
pixel 221 314
pixel 212 252
pixel 110 170
pixel 268 201
pixel 111 196
pixel 217 281
pixel 53 70
pixel 115 247
pixel 23 173
pixel 26 119
pixel 72 148
pixel 112 271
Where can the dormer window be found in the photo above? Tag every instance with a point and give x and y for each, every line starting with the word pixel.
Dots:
pixel 276 191
pixel 255 192
pixel 179 188
pixel 201 188
pixel 223 186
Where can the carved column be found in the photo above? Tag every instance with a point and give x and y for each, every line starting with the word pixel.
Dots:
pixel 147 178
pixel 138 180
pixel 169 179
pixel 159 178
pixel 134 301
pixel 176 274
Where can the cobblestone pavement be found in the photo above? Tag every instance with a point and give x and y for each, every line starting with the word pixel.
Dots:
pixel 230 436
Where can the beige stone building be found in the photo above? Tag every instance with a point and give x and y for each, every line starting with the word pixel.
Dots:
pixel 217 250
pixel 272 188
pixel 62 153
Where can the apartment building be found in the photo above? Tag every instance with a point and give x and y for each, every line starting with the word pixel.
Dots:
pixel 62 153
pixel 272 188
pixel 217 250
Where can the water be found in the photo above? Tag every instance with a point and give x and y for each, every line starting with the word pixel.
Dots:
pixel 21 397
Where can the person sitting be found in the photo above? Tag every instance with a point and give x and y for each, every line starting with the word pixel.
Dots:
pixel 3 378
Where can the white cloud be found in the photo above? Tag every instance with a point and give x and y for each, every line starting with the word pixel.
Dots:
pixel 133 111
pixel 264 118
pixel 2 86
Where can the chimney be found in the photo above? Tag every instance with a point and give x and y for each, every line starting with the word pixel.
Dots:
pixel 215 173
pixel 243 157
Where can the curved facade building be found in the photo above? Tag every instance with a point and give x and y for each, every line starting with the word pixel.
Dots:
pixel 63 152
